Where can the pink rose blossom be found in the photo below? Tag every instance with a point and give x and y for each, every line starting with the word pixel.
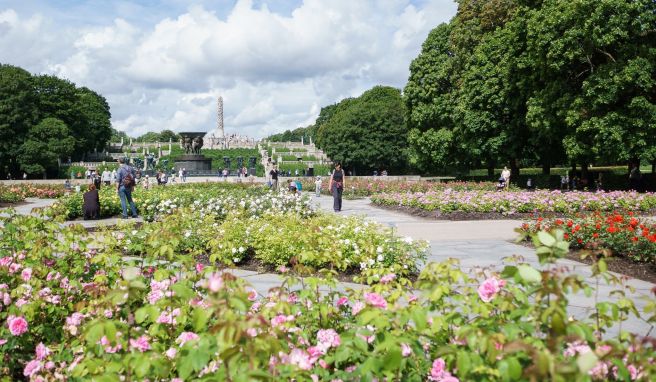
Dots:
pixel 171 353
pixel 14 267
pixel 185 337
pixel 252 294
pixel 300 358
pixel 5 261
pixel 140 343
pixel 387 278
pixel 374 299
pixel 26 275
pixel 342 301
pixel 3 341
pixel 281 319
pixel 406 350
pixel 412 298
pixel 328 338
pixel 155 296
pixel 199 267
pixel 315 351
pixel 357 307
pixel 20 302
pixel 75 319
pixel 323 364
pixel 32 368
pixel 214 282
pixel 489 288
pixel 438 372
pixel 50 365
pixel 41 351
pixel 17 325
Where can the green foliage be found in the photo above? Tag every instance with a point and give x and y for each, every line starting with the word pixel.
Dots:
pixel 27 101
pixel 163 136
pixel 508 82
pixel 166 316
pixel 368 132
pixel 295 135
pixel 46 143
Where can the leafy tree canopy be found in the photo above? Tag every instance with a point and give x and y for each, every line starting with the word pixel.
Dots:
pixel 366 133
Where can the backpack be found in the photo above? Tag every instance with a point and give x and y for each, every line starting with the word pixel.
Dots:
pixel 128 179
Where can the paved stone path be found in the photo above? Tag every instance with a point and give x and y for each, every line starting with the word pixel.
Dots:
pixel 484 244
pixel 476 244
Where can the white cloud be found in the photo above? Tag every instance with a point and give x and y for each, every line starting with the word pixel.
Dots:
pixel 274 70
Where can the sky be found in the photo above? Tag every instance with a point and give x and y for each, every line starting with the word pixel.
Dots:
pixel 161 64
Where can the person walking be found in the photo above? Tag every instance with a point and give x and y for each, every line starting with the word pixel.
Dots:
pixel 114 176
pixel 336 186
pixel 125 185
pixel 274 177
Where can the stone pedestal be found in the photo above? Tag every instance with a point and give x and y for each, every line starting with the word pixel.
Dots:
pixel 193 164
pixel 192 160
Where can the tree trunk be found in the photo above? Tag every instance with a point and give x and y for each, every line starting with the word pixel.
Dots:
pixel 653 167
pixel 514 168
pixel 573 170
pixel 584 170
pixel 490 168
pixel 546 168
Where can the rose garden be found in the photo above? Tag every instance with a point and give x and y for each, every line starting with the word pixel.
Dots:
pixel 180 296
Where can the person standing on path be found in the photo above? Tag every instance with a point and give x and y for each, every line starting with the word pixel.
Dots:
pixel 125 185
pixel 505 174
pixel 336 186
pixel 274 177
pixel 317 186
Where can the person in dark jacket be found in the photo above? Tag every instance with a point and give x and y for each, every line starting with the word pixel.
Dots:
pixel 91 206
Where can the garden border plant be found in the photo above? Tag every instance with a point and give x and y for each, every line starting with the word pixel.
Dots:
pixel 183 321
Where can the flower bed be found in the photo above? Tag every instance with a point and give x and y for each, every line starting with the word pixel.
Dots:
pixel 157 200
pixel 623 234
pixel 18 193
pixel 511 203
pixel 71 312
pixel 360 188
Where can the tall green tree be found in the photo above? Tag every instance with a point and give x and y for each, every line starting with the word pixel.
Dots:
pixel 18 113
pixel 47 143
pixel 429 98
pixel 368 132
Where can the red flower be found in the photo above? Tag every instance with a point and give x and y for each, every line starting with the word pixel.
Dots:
pixel 634 238
pixel 566 236
pixel 611 229
pixel 559 222
pixel 570 223
pixel 595 235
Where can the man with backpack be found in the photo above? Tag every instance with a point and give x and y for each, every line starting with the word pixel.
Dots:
pixel 126 182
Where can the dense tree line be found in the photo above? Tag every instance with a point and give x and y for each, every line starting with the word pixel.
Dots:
pixel 536 82
pixel 306 133
pixel 45 120
pixel 163 136
pixel 518 83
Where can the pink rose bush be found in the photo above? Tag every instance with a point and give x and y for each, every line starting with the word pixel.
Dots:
pixel 164 318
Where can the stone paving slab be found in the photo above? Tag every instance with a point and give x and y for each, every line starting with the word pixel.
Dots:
pixel 484 244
